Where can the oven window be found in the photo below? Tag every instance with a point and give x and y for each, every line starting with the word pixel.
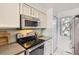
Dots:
pixel 38 51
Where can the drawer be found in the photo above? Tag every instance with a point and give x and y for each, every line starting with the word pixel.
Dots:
pixel 3 43
pixel 3 39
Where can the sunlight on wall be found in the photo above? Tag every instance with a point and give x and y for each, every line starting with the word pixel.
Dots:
pixel 25 31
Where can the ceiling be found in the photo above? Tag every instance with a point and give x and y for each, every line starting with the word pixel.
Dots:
pixel 58 7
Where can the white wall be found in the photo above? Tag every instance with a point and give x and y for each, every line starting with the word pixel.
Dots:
pixel 71 12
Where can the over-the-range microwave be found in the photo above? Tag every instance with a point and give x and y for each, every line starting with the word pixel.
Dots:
pixel 29 22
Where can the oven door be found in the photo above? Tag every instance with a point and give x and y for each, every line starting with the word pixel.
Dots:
pixel 38 51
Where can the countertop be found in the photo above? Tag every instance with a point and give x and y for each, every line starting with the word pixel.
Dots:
pixel 45 38
pixel 15 48
pixel 11 49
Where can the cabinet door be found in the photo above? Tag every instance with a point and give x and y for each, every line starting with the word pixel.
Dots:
pixel 25 9
pixel 43 20
pixel 48 47
pixel 9 15
pixel 33 12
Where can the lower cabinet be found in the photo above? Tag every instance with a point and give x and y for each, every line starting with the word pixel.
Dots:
pixel 35 51
pixel 38 51
pixel 48 47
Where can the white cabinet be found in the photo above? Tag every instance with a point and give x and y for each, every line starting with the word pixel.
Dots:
pixel 48 47
pixel 25 9
pixel 43 19
pixel 28 10
pixel 33 12
pixel 9 15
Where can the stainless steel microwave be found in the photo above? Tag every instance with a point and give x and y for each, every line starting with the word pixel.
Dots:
pixel 28 22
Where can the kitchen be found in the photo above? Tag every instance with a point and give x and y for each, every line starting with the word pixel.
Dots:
pixel 38 28
pixel 22 30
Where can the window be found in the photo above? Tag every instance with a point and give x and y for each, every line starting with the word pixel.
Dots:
pixel 65 26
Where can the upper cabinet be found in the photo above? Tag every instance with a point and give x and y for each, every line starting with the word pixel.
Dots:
pixel 43 19
pixel 9 15
pixel 33 12
pixel 25 9
pixel 28 10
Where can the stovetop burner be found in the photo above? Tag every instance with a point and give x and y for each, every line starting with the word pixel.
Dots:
pixel 30 44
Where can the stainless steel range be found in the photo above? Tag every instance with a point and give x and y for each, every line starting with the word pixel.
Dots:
pixel 32 44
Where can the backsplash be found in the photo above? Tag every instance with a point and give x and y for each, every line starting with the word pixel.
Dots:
pixel 48 32
pixel 13 33
pixel 26 32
